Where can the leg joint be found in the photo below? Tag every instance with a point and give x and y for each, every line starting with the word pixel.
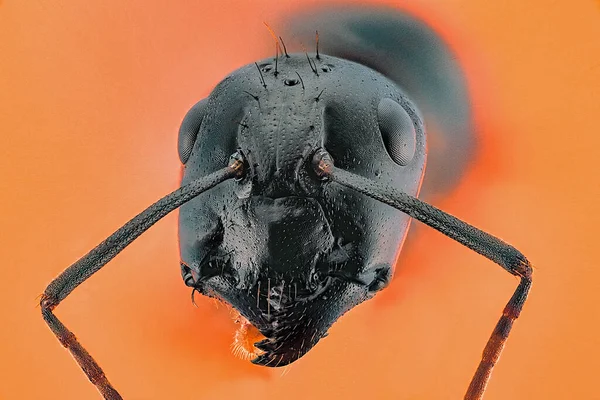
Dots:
pixel 524 269
pixel 47 302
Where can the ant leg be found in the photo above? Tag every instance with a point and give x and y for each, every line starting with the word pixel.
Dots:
pixel 483 243
pixel 93 261
pixel 83 358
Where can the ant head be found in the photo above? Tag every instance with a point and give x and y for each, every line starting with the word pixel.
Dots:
pixel 289 250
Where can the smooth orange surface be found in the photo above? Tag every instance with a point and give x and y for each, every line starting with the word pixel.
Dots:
pixel 91 96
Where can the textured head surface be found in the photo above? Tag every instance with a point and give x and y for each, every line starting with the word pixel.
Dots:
pixel 290 252
pixel 413 55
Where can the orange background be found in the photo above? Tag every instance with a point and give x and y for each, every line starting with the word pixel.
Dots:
pixel 91 96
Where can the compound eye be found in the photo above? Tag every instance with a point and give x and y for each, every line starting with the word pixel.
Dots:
pixel 397 130
pixel 189 130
